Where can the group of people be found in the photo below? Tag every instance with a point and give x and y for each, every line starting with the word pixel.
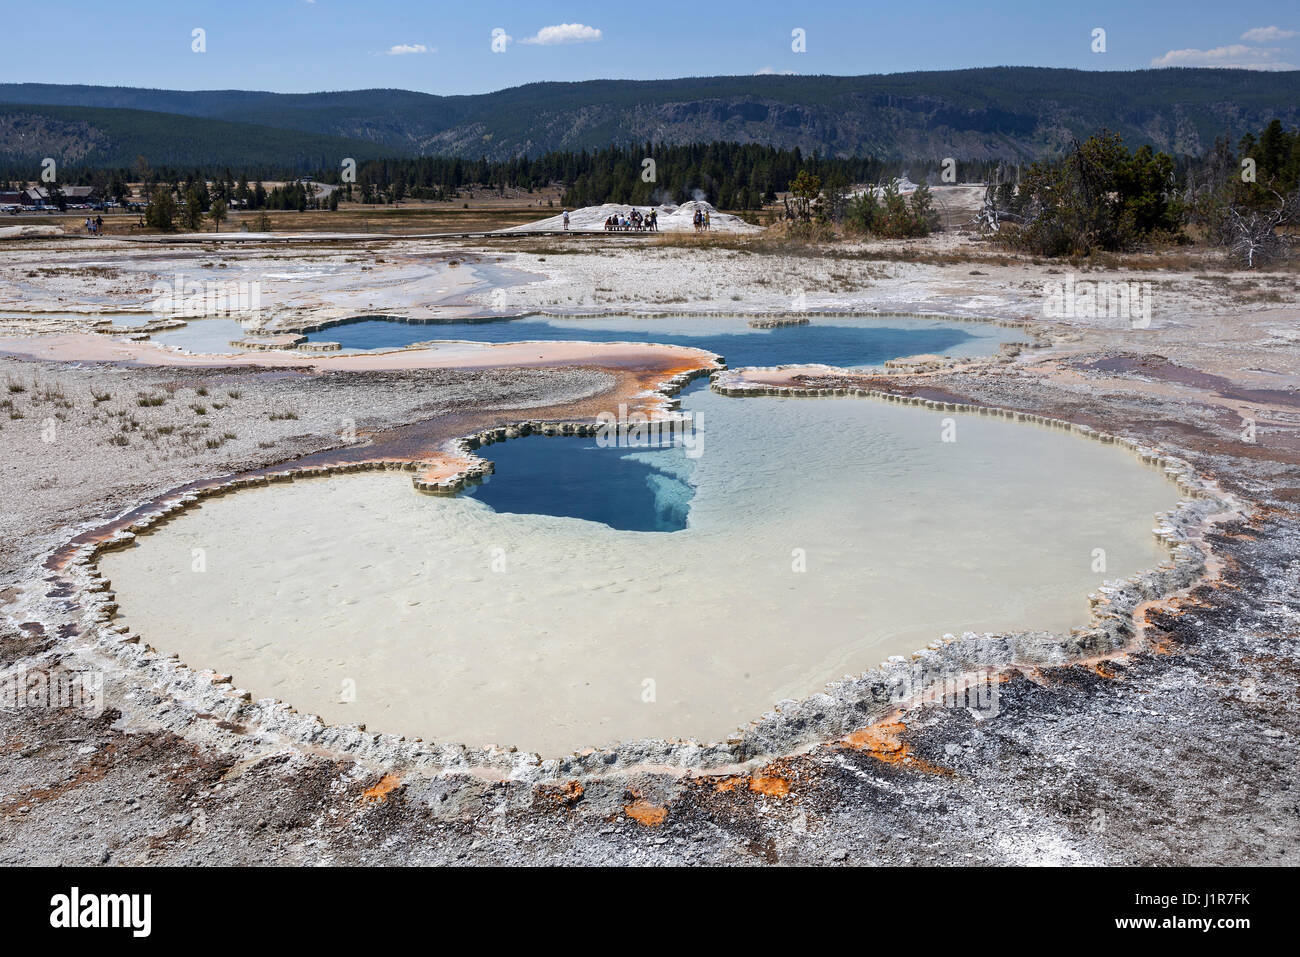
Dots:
pixel 634 221
pixel 639 222
pixel 93 226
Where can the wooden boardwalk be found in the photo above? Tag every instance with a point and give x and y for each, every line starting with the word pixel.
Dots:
pixel 235 237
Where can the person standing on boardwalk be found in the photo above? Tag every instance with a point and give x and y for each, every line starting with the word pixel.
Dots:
pixel 566 219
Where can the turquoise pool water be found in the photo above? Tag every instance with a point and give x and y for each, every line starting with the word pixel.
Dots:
pixel 839 341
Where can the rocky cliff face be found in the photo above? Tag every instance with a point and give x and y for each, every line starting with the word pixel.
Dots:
pixel 31 136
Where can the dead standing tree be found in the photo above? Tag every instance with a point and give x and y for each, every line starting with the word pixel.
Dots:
pixel 999 194
pixel 1254 235
pixel 994 213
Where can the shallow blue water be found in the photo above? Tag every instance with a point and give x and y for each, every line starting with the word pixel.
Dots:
pixel 847 343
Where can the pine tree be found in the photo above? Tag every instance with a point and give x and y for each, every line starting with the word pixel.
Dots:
pixel 160 213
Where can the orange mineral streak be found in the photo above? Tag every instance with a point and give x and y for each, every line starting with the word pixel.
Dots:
pixel 880 741
pixel 645 813
pixel 766 781
pixel 728 784
pixel 439 467
pixel 379 793
pixel 1160 644
pixel 770 785
pixel 572 792
pixel 883 742
pixel 1153 639
pixel 566 795
pixel 1103 669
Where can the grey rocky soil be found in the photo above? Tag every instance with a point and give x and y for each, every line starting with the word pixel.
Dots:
pixel 1185 750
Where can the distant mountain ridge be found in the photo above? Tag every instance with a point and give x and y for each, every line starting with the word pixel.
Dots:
pixel 996 112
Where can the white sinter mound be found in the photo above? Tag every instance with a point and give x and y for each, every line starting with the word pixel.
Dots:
pixel 28 231
pixel 672 219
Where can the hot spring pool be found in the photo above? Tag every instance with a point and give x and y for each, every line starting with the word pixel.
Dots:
pixel 815 538
pixel 212 336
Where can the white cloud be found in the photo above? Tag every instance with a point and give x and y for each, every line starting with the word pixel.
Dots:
pixel 401 49
pixel 564 33
pixel 1267 34
pixel 768 71
pixel 1236 56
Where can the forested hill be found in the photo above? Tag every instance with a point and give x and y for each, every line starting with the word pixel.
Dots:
pixel 95 137
pixel 999 112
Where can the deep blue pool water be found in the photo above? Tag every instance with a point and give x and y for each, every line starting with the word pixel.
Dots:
pixel 838 343
pixel 642 490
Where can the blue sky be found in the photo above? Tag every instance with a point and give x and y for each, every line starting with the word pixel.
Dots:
pixel 438 47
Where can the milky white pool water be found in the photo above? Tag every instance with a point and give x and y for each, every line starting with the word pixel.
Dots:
pixel 455 623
